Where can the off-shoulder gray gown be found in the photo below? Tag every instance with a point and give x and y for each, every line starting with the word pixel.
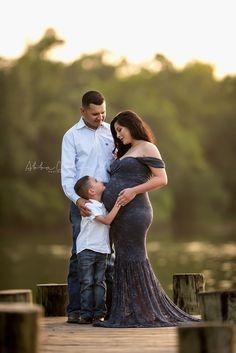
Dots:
pixel 138 299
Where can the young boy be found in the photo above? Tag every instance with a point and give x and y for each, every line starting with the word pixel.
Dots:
pixel 93 247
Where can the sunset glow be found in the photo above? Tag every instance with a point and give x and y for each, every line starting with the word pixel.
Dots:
pixel 183 31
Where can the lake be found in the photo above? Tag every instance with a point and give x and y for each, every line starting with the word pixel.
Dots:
pixel 30 258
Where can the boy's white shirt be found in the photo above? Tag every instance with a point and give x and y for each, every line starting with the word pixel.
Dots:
pixel 93 234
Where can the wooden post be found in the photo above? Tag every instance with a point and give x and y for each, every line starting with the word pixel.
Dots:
pixel 206 338
pixel 19 327
pixel 186 287
pixel 218 305
pixel 16 295
pixel 53 297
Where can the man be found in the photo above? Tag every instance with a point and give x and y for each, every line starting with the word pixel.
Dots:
pixel 86 150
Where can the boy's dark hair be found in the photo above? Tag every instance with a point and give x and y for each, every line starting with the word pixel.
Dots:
pixel 81 187
pixel 92 97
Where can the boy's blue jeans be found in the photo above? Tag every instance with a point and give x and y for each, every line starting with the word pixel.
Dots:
pixel 92 267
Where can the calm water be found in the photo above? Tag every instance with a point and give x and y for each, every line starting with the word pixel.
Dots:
pixel 27 259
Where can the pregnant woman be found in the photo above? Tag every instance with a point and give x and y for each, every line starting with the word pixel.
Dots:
pixel 138 298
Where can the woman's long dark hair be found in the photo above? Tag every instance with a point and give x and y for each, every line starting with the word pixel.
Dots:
pixel 138 129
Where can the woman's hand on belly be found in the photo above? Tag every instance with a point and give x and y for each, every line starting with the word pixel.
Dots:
pixel 125 196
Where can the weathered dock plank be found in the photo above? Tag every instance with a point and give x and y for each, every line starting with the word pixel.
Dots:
pixel 59 337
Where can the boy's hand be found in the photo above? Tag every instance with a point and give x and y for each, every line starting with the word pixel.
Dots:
pixel 84 211
pixel 117 204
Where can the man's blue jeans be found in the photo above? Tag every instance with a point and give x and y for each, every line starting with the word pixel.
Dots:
pixel 72 279
pixel 92 267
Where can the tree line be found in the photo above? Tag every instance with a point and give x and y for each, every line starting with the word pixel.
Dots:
pixel 191 113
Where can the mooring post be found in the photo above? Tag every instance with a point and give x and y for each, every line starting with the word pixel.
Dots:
pixel 218 305
pixel 53 297
pixel 20 327
pixel 16 295
pixel 186 287
pixel 211 337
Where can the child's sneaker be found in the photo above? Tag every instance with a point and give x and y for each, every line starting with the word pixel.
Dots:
pixel 85 320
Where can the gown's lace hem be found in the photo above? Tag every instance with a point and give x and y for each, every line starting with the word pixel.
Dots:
pixel 140 300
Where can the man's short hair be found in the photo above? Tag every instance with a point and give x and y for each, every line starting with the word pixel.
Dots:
pixel 92 97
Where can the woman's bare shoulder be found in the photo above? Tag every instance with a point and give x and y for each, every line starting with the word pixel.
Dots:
pixel 150 150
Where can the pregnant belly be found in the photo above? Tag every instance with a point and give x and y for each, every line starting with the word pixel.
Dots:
pixel 110 195
pixel 113 188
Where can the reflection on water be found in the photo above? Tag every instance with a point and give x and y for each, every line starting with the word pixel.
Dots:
pixel 29 259
pixel 216 261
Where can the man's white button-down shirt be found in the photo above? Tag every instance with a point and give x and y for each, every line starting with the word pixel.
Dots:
pixel 85 152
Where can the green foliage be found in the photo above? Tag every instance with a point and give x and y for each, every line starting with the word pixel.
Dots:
pixel 192 116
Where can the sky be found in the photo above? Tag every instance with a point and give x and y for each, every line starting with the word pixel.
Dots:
pixel 181 30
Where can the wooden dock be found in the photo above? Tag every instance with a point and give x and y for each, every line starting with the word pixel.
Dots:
pixel 59 337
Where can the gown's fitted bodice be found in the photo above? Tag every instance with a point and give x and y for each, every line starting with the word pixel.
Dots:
pixel 138 298
pixel 126 173
pixel 134 219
